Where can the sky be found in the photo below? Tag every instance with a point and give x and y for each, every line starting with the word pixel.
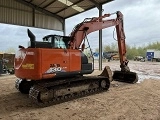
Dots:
pixel 141 25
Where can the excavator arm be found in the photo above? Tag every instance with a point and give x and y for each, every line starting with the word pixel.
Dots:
pixel 94 24
pixel 121 43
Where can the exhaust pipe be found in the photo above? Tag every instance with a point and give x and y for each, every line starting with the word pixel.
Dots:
pixel 32 38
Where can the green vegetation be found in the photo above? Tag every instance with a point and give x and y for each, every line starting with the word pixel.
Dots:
pixel 132 51
pixel 9 50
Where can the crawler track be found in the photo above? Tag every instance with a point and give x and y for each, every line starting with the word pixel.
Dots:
pixel 49 93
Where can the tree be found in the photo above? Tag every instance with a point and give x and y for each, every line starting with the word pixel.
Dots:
pixel 133 51
pixel 155 45
pixel 97 50
pixel 107 48
pixel 10 50
pixel 112 47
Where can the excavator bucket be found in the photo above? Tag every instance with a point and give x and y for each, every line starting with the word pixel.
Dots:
pixel 128 77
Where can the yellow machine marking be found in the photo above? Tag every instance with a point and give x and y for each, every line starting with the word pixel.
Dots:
pixel 28 66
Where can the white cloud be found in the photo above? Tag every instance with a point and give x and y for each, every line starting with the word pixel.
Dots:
pixel 141 25
pixel 141 21
pixel 11 36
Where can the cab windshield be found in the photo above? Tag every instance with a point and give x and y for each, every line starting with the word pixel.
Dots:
pixel 57 41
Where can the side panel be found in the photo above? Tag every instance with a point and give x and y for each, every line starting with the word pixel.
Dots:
pixel 156 54
pixel 150 55
pixel 75 60
pixel 27 64
pixel 54 61
pixel 40 63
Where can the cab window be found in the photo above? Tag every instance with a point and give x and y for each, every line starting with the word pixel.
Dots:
pixel 59 43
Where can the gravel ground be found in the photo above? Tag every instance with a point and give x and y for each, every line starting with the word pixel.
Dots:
pixel 138 101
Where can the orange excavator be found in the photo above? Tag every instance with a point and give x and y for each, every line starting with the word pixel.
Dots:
pixel 55 69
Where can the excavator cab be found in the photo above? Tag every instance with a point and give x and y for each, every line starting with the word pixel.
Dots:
pixel 49 41
pixel 57 41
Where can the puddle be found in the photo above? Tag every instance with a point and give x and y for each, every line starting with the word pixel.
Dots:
pixel 147 75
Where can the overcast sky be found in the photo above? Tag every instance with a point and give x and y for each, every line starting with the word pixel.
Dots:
pixel 141 25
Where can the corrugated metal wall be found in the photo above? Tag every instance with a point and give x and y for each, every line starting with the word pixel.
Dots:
pixel 12 12
pixel 45 21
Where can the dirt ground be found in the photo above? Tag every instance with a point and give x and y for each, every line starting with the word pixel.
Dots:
pixel 138 101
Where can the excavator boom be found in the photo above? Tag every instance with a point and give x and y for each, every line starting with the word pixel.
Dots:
pixel 86 27
pixel 81 30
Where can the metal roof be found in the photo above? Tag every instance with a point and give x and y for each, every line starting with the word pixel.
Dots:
pixel 47 14
pixel 63 9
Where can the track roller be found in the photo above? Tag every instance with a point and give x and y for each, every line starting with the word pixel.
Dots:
pixel 128 77
pixel 105 84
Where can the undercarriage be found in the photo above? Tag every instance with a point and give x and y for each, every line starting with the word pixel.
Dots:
pixel 48 92
pixel 57 90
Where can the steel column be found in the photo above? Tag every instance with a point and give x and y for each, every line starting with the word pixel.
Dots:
pixel 100 41
pixel 33 17
pixel 64 27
